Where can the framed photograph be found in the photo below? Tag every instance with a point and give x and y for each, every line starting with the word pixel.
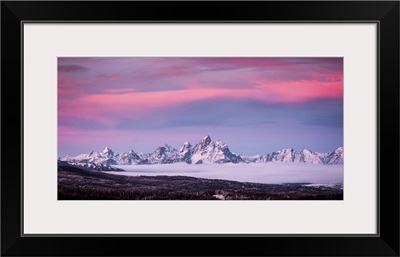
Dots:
pixel 271 126
pixel 256 103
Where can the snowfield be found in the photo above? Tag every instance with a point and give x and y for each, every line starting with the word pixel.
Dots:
pixel 269 173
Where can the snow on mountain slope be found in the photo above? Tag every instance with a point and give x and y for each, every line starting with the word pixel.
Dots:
pixel 184 153
pixel 163 154
pixel 208 151
pixel 131 158
pixel 284 155
pixel 290 155
pixel 205 151
pixel 104 157
pixel 335 157
pixel 308 156
pixel 89 166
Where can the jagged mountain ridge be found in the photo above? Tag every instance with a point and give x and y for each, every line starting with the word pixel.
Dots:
pixel 205 151
pixel 89 166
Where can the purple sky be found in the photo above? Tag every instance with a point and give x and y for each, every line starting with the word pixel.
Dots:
pixel 255 105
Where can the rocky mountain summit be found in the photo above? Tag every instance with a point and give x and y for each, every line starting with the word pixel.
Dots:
pixel 205 151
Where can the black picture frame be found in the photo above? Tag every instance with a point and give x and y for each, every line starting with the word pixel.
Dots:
pixel 383 13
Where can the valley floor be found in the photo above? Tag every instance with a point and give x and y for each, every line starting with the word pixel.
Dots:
pixel 79 184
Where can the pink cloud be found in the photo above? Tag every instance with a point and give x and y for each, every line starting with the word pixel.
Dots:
pixel 150 100
pixel 69 91
pixel 107 99
pixel 107 108
pixel 71 82
pixel 71 86
pixel 113 103
pixel 109 104
pixel 110 77
pixel 299 91
pixel 117 90
pixel 113 78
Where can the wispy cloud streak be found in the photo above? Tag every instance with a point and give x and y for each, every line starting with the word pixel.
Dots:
pixel 202 95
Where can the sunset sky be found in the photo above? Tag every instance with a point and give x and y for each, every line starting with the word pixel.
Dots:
pixel 255 105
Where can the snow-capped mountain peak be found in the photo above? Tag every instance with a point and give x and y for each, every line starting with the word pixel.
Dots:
pixel 165 149
pixel 208 151
pixel 204 142
pixel 104 157
pixel 284 155
pixel 163 154
pixel 106 153
pixel 205 151
pixel 290 155
pixel 185 147
pixel 308 156
pixel 184 153
pixel 335 157
pixel 339 150
pixel 130 158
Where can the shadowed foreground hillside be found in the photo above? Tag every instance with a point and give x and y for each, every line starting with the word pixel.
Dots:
pixel 79 184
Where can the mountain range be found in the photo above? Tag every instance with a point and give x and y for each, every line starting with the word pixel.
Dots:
pixel 205 151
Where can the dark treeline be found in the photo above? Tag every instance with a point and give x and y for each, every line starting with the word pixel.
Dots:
pixel 77 193
pixel 78 184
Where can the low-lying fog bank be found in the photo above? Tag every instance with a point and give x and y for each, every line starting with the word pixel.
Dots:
pixel 270 173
